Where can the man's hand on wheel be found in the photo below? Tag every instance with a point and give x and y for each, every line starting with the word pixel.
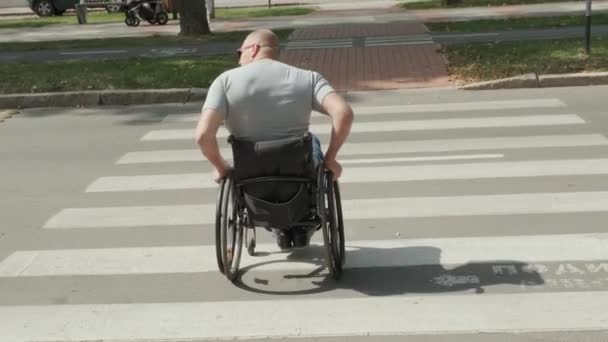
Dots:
pixel 335 167
pixel 221 172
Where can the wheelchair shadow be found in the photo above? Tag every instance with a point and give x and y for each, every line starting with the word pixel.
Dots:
pixel 392 271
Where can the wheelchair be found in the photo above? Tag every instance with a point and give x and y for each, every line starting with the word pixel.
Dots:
pixel 276 184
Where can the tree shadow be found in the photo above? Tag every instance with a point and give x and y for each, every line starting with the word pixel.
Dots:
pixel 394 271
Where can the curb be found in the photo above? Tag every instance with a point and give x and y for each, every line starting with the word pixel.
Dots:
pixel 103 97
pixel 185 95
pixel 534 80
pixel 16 14
pixel 25 11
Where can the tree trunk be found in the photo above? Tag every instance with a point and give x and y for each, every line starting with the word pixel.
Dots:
pixel 193 18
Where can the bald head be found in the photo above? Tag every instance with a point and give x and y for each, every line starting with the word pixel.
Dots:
pixel 263 37
pixel 260 44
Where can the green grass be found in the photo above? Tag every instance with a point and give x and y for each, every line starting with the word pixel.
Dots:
pixel 117 74
pixel 487 25
pixel 178 72
pixel 235 36
pixel 471 3
pixel 480 62
pixel 103 17
pixel 68 18
pixel 256 12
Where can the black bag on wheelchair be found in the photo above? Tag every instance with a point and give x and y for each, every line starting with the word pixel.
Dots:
pixel 276 179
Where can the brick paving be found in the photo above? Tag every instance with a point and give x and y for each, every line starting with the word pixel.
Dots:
pixel 371 68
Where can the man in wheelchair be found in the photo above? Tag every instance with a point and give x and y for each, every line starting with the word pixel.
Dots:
pixel 267 100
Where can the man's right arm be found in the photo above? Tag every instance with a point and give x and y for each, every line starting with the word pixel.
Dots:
pixel 206 132
pixel 342 118
pixel 213 114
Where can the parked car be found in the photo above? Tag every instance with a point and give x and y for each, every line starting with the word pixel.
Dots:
pixel 47 8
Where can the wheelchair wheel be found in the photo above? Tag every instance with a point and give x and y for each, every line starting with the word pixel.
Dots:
pixel 339 224
pixel 231 226
pixel 218 225
pixel 331 216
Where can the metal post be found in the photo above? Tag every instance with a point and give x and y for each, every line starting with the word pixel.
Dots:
pixel 173 7
pixel 81 12
pixel 588 28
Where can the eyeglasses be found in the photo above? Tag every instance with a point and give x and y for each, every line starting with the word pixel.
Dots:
pixel 240 51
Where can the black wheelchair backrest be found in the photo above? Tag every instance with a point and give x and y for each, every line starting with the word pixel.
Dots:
pixel 275 177
pixel 291 157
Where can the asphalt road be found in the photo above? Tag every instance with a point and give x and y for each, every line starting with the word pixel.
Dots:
pixel 469 215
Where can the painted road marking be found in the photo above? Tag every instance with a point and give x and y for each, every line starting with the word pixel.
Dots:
pixel 537 312
pixel 374 174
pixel 449 252
pixel 375 208
pixel 402 125
pixel 396 147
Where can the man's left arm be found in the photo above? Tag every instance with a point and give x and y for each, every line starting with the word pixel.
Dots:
pixel 206 132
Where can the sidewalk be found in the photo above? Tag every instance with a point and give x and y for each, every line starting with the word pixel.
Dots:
pixel 371 64
pixel 68 32
pixel 15 11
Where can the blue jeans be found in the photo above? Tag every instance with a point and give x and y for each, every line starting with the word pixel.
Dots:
pixel 317 153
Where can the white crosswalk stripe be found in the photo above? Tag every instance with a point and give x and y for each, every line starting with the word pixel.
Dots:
pixel 403 207
pixel 375 174
pixel 362 254
pixel 422 159
pixel 413 39
pixel 435 159
pixel 427 108
pixel 403 125
pixel 316 317
pixel 402 146
pixel 421 41
pixel 319 44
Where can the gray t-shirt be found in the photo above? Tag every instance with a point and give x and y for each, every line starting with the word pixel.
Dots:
pixel 267 99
